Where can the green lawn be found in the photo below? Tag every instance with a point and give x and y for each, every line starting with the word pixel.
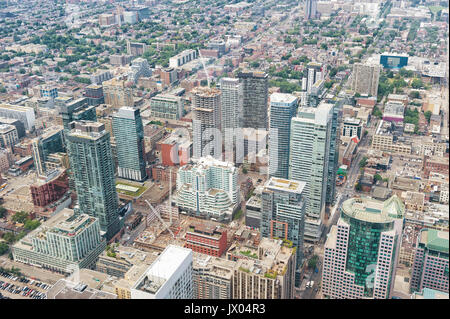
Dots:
pixel 141 190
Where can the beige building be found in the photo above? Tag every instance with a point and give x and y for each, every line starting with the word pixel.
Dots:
pixel 122 287
pixel 212 277
pixel 8 135
pixel 385 142
pixel 365 78
pixel 5 156
pixel 122 259
pixel 267 273
pixel 414 201
pixel 117 93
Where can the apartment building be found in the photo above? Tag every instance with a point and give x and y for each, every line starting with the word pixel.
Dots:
pixel 64 243
pixel 430 268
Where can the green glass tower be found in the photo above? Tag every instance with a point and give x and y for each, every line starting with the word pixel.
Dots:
pixel 91 161
pixel 129 134
pixel 361 251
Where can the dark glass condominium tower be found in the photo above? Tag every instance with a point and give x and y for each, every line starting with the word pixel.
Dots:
pixel 129 134
pixel 256 95
pixel 89 149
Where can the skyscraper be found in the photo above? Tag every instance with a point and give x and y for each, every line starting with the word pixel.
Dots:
pixel 361 251
pixel 51 141
pixel 129 134
pixel 256 94
pixel 309 159
pixel 314 74
pixel 365 78
pixel 77 110
pixel 283 213
pixel 333 158
pixel 282 110
pixel 206 115
pixel 310 9
pixel 430 268
pixel 91 161
pixel 232 102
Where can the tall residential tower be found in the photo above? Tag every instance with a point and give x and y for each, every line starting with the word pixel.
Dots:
pixel 91 161
pixel 129 134
pixel 309 159
pixel 282 110
pixel 256 95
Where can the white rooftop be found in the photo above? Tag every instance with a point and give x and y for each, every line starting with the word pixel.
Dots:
pixel 282 98
pixel 168 262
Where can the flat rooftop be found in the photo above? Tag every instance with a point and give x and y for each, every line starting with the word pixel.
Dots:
pixel 163 268
pixel 218 267
pixel 65 289
pixel 282 98
pixel 286 185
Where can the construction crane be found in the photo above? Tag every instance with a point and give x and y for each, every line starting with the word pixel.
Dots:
pixel 204 67
pixel 160 219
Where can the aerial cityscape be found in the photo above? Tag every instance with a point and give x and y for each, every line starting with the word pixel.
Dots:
pixel 224 149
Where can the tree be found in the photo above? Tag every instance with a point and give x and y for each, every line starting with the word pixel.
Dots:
pixel 3 211
pixel 32 224
pixel 9 238
pixel 377 177
pixel 414 94
pixel 358 187
pixel 428 116
pixel 363 162
pixel 20 217
pixel 416 83
pixel 313 261
pixel 244 170
pixel 377 112
pixel 3 248
pixel 238 215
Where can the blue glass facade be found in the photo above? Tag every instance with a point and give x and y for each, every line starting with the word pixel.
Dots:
pixel 393 61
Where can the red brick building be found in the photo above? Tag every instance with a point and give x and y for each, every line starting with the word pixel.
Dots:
pixel 435 164
pixel 175 150
pixel 162 173
pixel 47 191
pixel 207 239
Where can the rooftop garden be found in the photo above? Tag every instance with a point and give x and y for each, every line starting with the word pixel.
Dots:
pixel 248 253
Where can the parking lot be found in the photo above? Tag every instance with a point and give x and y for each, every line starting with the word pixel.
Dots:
pixel 14 287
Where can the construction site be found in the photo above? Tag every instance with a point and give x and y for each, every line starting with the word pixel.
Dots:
pixel 165 226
